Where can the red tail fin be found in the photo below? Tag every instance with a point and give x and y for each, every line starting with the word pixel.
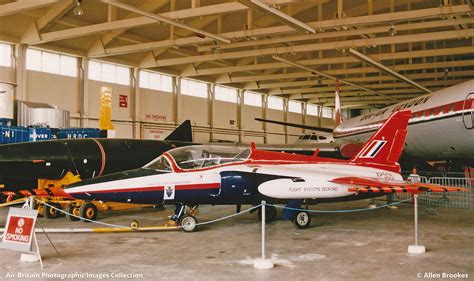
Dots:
pixel 386 144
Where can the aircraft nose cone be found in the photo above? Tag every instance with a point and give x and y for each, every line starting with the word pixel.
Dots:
pixel 115 177
pixel 109 187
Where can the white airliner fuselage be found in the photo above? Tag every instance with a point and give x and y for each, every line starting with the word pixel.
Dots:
pixel 441 125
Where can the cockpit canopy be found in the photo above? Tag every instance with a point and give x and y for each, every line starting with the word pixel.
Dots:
pixel 200 156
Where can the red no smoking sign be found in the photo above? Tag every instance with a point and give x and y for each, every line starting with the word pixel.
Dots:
pixel 19 229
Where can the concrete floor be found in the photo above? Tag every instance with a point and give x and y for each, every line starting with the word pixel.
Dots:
pixel 352 246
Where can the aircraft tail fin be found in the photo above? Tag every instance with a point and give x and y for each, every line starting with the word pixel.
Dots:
pixel 337 106
pixel 385 146
pixel 183 132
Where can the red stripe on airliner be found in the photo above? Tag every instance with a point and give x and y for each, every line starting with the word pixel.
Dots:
pixel 457 107
pixel 156 188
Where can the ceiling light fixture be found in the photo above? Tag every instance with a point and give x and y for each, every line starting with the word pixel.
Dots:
pixel 446 72
pixel 78 11
pixel 392 31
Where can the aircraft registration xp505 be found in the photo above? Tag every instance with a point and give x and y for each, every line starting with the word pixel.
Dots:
pixel 193 175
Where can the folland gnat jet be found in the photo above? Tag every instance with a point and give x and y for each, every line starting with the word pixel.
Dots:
pixel 193 175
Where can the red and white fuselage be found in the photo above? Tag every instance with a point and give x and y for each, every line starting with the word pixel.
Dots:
pixel 441 125
pixel 207 174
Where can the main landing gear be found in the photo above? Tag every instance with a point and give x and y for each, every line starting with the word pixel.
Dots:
pixel 184 217
pixel 302 219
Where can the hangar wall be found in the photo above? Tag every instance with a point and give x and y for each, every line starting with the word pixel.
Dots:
pixel 153 114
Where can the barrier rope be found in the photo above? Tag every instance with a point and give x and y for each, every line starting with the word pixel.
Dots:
pixel 128 227
pixel 340 211
pixel 12 203
pixel 81 218
pixel 230 216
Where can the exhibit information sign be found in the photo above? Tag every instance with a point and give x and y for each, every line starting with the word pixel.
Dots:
pixel 19 229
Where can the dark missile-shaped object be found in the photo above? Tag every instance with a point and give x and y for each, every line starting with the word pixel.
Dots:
pixel 22 164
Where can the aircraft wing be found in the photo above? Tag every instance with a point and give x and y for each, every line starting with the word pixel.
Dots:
pixel 302 126
pixel 377 186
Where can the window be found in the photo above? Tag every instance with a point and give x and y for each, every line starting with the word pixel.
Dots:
pixel 5 55
pixel 328 112
pixel 156 81
pixel 194 88
pixel 275 103
pixel 51 63
pixel 295 106
pixel 159 164
pixel 253 99
pixel 68 66
pixel 225 94
pixel 312 109
pixel 110 73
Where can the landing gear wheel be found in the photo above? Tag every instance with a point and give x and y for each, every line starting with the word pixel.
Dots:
pixel 50 212
pixel 270 213
pixel 72 209
pixel 188 223
pixel 40 210
pixel 134 224
pixel 302 219
pixel 89 211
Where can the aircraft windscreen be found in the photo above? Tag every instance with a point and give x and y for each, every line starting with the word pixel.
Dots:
pixel 203 156
pixel 159 164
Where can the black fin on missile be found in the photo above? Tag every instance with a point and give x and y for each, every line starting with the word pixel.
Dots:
pixel 183 133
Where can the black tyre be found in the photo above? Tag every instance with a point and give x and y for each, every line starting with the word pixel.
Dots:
pixel 270 213
pixel 89 211
pixel 188 223
pixel 72 209
pixel 51 212
pixel 134 224
pixel 302 219
pixel 40 210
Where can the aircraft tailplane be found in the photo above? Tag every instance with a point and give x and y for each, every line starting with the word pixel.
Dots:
pixel 386 144
pixel 183 132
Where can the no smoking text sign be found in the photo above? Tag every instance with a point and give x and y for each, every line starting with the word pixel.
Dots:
pixel 19 229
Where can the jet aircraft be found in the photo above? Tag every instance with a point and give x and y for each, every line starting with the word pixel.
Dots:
pixel 193 175
pixel 23 164
pixel 441 126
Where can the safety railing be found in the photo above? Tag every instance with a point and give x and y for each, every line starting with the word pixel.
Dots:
pixel 450 199
pixel 432 200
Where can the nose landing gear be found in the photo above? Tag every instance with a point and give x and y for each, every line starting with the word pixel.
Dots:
pixel 186 219
pixel 188 223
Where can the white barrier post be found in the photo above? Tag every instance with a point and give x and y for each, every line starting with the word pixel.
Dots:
pixel 263 263
pixel 416 249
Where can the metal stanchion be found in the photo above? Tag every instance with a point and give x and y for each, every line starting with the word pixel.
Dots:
pixel 416 249
pixel 263 263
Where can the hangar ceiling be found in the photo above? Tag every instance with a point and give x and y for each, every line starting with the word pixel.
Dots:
pixel 383 51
